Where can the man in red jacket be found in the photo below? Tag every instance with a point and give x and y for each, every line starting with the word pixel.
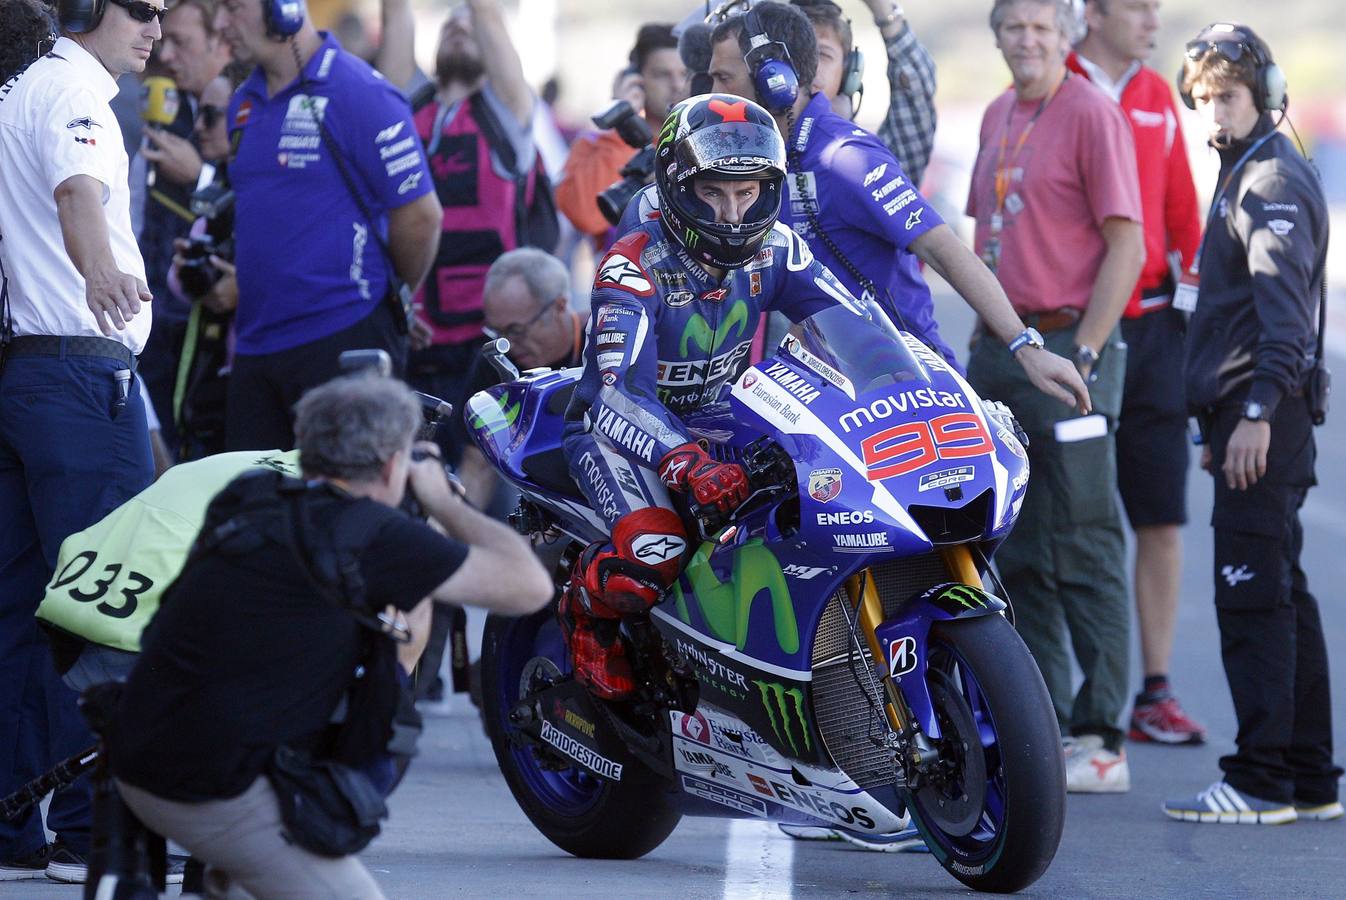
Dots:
pixel 1151 434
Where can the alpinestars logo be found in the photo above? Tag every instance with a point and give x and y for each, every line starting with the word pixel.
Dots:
pixel 657 548
pixel 621 272
pixel 1235 576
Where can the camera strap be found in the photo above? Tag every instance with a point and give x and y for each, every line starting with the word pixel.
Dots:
pixel 399 291
pixel 6 316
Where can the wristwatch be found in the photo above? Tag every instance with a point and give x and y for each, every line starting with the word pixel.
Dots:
pixel 1029 337
pixel 1086 356
pixel 1256 412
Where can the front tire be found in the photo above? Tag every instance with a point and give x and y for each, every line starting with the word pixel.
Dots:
pixel 583 814
pixel 994 813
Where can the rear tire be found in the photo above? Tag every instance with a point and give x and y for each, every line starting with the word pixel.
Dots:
pixel 995 820
pixel 579 812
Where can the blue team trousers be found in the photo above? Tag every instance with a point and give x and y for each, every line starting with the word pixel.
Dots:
pixel 69 454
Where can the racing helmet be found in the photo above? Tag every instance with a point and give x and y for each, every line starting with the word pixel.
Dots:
pixel 726 138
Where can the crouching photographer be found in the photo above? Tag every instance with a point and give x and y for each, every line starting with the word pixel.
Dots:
pixel 222 739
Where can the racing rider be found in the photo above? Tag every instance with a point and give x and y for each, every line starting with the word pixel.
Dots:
pixel 675 304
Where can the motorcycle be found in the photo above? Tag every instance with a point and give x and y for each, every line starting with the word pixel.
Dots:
pixel 829 656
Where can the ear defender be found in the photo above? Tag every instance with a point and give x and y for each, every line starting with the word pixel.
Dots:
pixel 773 75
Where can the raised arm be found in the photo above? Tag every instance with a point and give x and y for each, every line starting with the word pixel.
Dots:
pixel 503 68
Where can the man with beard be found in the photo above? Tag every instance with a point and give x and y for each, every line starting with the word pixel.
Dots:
pixel 475 128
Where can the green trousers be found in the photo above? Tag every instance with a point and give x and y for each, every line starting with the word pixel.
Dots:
pixel 1064 564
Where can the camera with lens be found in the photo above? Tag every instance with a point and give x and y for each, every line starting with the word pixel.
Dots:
pixel 198 274
pixel 215 202
pixel 639 169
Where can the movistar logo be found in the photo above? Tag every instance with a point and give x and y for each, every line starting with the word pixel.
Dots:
pixel 710 340
pixel 964 596
pixel 784 708
pixel 488 420
pixel 727 606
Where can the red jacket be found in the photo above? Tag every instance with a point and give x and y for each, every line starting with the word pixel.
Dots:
pixel 1167 194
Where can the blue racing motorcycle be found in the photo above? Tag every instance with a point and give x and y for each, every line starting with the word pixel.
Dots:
pixel 829 655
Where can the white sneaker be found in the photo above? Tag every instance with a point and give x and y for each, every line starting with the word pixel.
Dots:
pixel 810 832
pixel 1092 769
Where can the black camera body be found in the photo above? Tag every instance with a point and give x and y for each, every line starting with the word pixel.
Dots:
pixel 214 202
pixel 639 169
pixel 198 274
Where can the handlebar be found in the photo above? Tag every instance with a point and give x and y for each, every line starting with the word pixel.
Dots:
pixel 771 475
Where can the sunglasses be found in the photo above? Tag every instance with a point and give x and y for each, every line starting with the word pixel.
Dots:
pixel 142 11
pixel 210 114
pixel 1231 48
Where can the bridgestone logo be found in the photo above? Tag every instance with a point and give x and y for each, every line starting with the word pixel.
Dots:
pixel 580 753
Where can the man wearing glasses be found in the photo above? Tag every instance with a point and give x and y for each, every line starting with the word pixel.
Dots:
pixel 73 439
pixel 193 55
pixel 525 301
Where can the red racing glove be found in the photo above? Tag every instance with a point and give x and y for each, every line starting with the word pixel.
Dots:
pixel 689 469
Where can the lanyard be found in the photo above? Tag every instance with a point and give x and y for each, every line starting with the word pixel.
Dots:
pixel 1001 171
pixel 1219 195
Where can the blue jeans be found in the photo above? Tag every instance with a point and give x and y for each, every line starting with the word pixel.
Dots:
pixel 68 457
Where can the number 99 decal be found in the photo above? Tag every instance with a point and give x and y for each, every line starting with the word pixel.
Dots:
pixel 906 448
pixel 129 593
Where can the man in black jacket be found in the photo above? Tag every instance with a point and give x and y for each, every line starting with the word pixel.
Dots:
pixel 1250 349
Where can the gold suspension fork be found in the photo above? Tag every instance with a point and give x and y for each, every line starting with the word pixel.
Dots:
pixel 864 596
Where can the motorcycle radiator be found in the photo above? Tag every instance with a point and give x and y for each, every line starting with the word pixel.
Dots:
pixel 852 724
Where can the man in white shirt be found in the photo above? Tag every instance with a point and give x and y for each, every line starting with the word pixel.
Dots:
pixel 73 439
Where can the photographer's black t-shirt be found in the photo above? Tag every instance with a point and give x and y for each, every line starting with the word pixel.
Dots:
pixel 244 655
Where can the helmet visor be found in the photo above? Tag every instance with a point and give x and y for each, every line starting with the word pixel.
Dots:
pixel 731 150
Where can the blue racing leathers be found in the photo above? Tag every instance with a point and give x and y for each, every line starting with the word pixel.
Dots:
pixel 664 338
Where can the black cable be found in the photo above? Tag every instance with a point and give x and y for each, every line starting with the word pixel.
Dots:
pixel 865 283
pixel 850 661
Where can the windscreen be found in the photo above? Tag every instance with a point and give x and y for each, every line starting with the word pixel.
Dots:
pixel 861 344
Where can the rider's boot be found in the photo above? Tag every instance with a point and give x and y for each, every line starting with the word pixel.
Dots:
pixel 625 576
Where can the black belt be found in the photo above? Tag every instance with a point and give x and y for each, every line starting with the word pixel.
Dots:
pixel 54 345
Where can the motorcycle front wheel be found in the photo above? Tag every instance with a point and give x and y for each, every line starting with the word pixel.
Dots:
pixel 993 810
pixel 581 813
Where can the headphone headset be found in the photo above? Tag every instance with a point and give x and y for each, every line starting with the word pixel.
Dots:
pixel 773 74
pixel 283 18
pixel 78 16
pixel 1269 80
pixel 853 73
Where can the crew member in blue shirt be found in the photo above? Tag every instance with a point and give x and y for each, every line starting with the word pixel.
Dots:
pixel 849 196
pixel 310 129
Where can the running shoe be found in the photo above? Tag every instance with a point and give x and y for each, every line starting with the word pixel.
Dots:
pixel 1224 805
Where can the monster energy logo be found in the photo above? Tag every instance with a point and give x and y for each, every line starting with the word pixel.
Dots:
pixel 690 238
pixel 727 606
pixel 783 707
pixel 710 340
pixel 964 596
pixel 670 128
pixel 496 418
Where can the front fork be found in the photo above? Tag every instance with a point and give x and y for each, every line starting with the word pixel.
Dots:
pixel 912 745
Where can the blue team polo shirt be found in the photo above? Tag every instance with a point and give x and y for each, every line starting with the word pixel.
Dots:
pixel 308 265
pixel 863 200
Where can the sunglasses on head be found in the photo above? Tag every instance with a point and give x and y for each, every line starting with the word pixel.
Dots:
pixel 209 114
pixel 142 11
pixel 1231 48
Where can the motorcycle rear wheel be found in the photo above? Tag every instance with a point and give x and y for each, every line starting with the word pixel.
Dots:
pixel 583 814
pixel 994 815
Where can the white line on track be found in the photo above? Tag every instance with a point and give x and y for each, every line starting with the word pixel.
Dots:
pixel 758 861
